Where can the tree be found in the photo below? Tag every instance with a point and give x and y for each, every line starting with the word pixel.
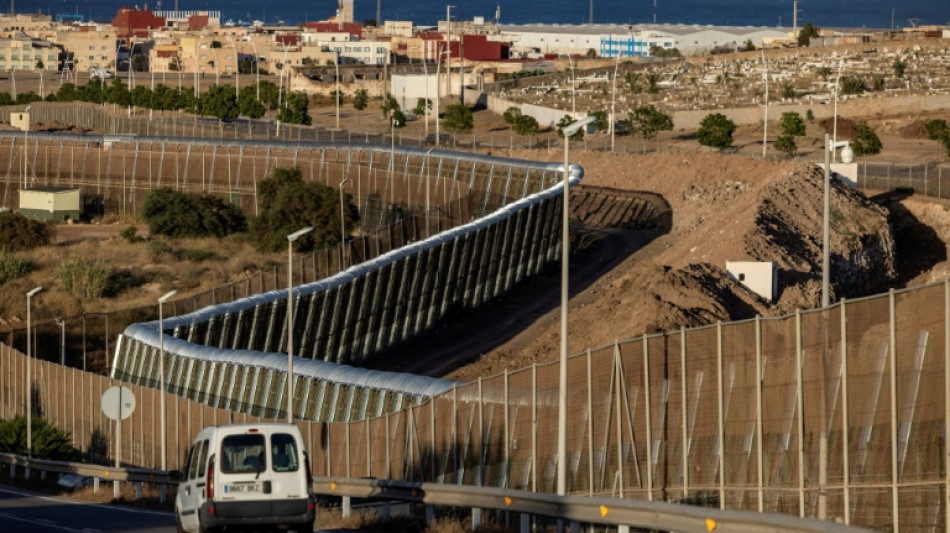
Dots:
pixel 219 101
pixel 786 143
pixel 511 115
pixel 866 141
pixel 823 72
pixel 294 110
pixel 792 124
pixel 600 123
pixel 360 99
pixel 116 93
pixel 142 96
pixel 648 121
pixel 389 105
pixel 806 33
pixel 591 53
pixel 565 121
pixel 288 203
pixel 337 97
pixel 269 94
pixel 423 105
pixel 853 85
pixel 633 81
pixel 458 119
pixel 716 130
pixel 653 81
pixel 39 64
pixel 177 214
pixel 526 125
pixel 248 104
pixel 900 67
pixel 398 118
pixel 788 91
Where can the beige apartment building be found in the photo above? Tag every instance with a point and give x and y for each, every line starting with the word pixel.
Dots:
pixel 207 55
pixel 27 54
pixel 89 48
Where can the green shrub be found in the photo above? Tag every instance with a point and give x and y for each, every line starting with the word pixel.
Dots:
pixel 288 203
pixel 792 124
pixel 178 214
pixel 48 441
pixel 810 115
pixel 85 279
pixel 157 247
pixel 458 119
pixel 131 235
pixel 199 255
pixel 716 130
pixel 18 233
pixel 866 141
pixel 13 267
pixel 937 129
pixel 786 144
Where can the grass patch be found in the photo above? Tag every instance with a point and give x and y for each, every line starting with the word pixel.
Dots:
pixel 86 279
pixel 13 267
pixel 199 255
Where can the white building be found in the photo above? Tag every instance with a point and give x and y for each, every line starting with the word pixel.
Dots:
pixel 360 52
pixel 607 40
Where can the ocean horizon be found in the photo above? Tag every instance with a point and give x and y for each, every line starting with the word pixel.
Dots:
pixel 872 14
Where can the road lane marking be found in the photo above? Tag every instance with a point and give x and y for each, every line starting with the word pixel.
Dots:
pixel 90 504
pixel 45 523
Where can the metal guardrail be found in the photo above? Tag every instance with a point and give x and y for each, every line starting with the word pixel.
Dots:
pixel 620 512
pixel 129 474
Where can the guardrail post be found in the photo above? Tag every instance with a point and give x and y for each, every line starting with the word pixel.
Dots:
pixel 95 484
pixel 430 514
pixel 161 493
pixel 895 507
pixel 12 470
pixel 346 507
pixel 27 471
pixel 623 529
pixel 387 510
pixel 525 523
pixel 138 491
pixel 476 518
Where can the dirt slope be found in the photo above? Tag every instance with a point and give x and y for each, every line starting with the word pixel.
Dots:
pixel 724 208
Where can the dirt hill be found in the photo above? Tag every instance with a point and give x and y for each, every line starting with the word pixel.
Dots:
pixel 725 208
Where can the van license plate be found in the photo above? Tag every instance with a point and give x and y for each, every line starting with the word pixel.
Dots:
pixel 242 487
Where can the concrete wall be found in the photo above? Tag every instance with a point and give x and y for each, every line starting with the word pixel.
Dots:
pixel 758 276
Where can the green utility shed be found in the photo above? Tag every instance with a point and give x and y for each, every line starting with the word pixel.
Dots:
pixel 58 204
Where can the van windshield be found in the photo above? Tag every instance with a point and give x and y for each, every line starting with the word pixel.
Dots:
pixel 242 453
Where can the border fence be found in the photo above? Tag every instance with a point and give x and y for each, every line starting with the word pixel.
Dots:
pixel 838 414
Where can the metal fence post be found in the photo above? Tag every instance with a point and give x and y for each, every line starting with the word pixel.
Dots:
pixel 846 467
pixel 893 348
pixel 685 444
pixel 721 428
pixel 507 432
pixel 946 397
pixel 534 427
pixel 800 378
pixel 590 427
pixel 758 411
pixel 649 421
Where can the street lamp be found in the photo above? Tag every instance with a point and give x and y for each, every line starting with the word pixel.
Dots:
pixel 565 252
pixel 342 226
pixel 161 370
pixel 847 155
pixel 336 66
pixel 290 319
pixel 573 87
pixel 613 102
pixel 765 115
pixel 834 129
pixel 257 69
pixel 29 376
pixel 280 89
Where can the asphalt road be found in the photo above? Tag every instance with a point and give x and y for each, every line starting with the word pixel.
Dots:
pixel 23 510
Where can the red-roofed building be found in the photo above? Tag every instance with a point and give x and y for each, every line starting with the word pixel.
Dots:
pixel 197 22
pixel 353 28
pixel 132 23
pixel 479 48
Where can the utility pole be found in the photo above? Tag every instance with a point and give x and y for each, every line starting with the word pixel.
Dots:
pixel 795 12
pixel 590 16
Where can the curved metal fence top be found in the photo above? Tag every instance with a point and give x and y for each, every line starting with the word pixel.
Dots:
pixel 341 278
pixel 257 143
pixel 333 372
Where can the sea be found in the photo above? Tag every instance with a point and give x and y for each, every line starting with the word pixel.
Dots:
pixel 871 14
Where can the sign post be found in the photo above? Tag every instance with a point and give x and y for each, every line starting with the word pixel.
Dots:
pixel 118 403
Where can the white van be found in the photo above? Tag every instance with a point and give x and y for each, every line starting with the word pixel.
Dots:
pixel 246 476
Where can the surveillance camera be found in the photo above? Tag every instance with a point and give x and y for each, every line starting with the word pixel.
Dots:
pixel 847 154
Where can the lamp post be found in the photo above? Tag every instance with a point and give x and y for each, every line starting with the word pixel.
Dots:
pixel 26 144
pixel 573 87
pixel 428 184
pixel 290 319
pixel 765 116
pixel 438 91
pixel 61 322
pixel 336 66
pixel 565 252
pixel 29 375
pixel 161 371
pixel 834 128
pixel 342 226
pixel 257 69
pixel 613 102
pixel 280 88
pixel 847 155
